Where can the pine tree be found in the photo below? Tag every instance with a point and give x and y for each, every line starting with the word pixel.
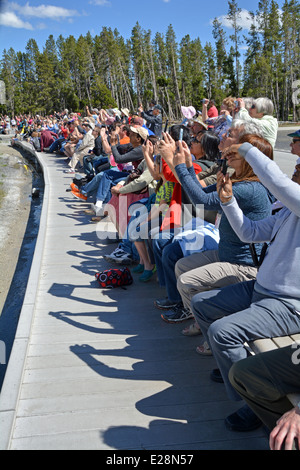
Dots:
pixel 210 70
pixel 173 65
pixel 9 75
pixel 233 16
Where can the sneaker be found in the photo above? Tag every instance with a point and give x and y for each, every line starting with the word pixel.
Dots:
pixel 119 256
pixel 243 420
pixel 177 315
pixel 74 188
pixel 79 195
pixel 216 376
pixel 99 211
pixel 70 171
pixel 165 304
pixel 146 276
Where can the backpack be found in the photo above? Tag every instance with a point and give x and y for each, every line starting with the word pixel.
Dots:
pixel 112 278
pixel 36 143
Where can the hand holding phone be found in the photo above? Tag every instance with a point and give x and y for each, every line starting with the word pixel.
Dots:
pixel 222 162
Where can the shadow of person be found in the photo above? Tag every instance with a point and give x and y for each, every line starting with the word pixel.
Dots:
pixel 169 435
pixel 66 291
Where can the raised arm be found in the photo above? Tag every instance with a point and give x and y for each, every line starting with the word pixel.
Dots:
pixel 249 231
pixel 133 155
pixel 270 175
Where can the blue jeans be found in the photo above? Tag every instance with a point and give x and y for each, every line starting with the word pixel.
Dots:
pixel 230 316
pixel 158 245
pixel 92 186
pixel 91 162
pixel 56 144
pixel 109 179
pixel 127 245
pixel 170 255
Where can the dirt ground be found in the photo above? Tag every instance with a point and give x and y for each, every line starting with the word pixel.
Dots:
pixel 15 203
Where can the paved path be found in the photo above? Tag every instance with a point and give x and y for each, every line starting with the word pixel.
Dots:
pixel 98 369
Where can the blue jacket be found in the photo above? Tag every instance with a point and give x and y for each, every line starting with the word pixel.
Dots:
pixel 253 198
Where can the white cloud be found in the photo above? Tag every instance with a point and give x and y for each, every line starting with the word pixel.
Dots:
pixel 11 14
pixel 42 11
pixel 101 3
pixel 244 20
pixel 11 20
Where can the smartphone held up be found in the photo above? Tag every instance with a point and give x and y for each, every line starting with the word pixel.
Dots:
pixel 222 162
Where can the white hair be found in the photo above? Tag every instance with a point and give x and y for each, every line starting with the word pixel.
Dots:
pixel 264 105
pixel 246 127
pixel 248 102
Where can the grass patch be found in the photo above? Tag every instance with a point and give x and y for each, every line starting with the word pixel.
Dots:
pixel 2 193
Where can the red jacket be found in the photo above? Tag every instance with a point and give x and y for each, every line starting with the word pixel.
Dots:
pixel 47 138
pixel 173 216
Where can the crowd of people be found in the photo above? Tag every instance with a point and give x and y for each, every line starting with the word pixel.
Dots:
pixel 189 202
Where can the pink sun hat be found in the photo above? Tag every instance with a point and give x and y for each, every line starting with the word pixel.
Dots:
pixel 188 112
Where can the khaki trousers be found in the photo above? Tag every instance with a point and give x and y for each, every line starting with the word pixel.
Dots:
pixel 204 271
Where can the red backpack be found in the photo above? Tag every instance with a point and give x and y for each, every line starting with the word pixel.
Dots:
pixel 114 278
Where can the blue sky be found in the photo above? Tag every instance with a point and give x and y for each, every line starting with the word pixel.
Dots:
pixel 21 20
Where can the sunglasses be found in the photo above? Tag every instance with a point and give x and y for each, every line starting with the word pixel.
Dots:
pixel 228 134
pixel 296 140
pixel 253 106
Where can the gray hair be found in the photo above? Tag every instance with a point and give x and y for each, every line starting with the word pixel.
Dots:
pixel 249 101
pixel 246 127
pixel 264 105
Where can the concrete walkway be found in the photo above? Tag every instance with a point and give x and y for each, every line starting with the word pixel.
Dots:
pixel 98 369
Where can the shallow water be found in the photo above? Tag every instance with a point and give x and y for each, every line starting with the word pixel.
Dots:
pixel 20 216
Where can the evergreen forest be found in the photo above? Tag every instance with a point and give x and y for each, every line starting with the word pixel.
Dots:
pixel 107 71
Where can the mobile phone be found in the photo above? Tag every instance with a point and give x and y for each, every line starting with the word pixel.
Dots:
pixel 166 126
pixel 222 162
pixel 181 134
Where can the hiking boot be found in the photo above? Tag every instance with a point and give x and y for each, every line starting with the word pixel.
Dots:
pixel 177 314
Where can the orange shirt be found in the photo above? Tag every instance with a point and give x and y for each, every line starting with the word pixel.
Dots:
pixel 125 140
